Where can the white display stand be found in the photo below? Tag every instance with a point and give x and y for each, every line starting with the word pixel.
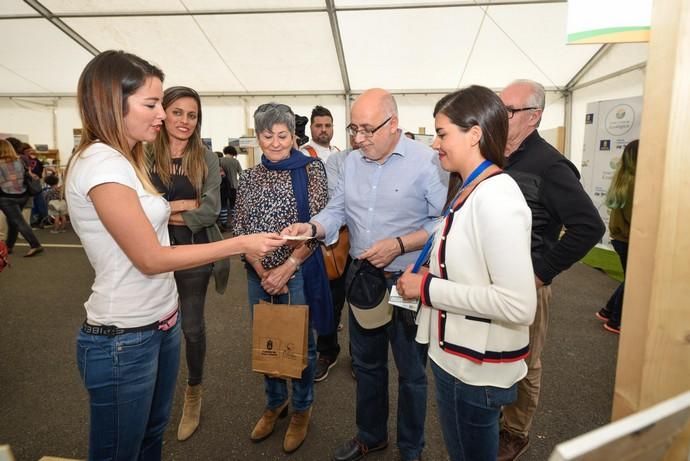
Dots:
pixel 609 127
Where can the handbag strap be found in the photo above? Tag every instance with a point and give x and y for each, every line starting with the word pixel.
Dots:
pixel 312 151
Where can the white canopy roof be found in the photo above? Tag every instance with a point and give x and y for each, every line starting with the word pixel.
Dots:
pixel 272 47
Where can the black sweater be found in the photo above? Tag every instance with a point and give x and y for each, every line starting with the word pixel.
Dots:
pixel 551 186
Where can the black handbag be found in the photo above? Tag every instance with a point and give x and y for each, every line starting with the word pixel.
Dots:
pixel 33 185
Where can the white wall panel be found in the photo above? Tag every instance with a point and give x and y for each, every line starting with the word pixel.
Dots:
pixel 28 118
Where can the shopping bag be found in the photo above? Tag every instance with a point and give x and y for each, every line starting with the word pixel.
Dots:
pixel 279 339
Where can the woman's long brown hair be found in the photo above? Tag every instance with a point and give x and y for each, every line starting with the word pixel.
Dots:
pixel 104 86
pixel 193 161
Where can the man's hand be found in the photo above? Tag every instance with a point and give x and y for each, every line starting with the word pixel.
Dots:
pixel 300 229
pixel 538 282
pixel 381 253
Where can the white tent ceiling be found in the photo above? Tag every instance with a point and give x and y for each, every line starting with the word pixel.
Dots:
pixel 235 47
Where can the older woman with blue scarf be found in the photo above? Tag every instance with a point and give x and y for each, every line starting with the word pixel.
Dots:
pixel 285 188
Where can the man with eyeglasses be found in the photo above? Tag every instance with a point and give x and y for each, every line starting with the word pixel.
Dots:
pixel 551 186
pixel 389 195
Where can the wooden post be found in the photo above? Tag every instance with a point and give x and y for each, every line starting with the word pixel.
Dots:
pixel 654 350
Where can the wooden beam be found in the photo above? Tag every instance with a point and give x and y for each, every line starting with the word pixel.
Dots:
pixel 654 350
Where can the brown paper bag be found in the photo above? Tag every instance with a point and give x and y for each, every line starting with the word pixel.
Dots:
pixel 279 339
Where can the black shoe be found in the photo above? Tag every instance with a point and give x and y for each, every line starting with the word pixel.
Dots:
pixel 323 365
pixel 353 449
pixel 33 252
pixel 612 327
pixel 604 314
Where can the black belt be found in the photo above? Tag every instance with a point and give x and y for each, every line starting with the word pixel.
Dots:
pixel 112 330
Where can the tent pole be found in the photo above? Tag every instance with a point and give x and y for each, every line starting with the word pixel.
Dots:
pixel 338 42
pixel 601 52
pixel 57 22
pixel 620 72
pixel 568 123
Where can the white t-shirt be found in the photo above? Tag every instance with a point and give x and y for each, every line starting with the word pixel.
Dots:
pixel 121 294
pixel 322 152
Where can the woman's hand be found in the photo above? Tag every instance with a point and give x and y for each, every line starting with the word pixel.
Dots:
pixel 275 280
pixel 409 284
pixel 178 206
pixel 256 246
pixel 176 219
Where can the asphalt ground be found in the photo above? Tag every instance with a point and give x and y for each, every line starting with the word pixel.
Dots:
pixel 44 407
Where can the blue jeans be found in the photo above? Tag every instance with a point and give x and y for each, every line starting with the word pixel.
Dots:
pixel 276 388
pixel 370 362
pixel 131 383
pixel 469 416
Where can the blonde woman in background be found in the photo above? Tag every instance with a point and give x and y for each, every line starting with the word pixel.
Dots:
pixel 619 199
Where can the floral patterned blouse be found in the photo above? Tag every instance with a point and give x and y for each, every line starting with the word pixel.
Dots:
pixel 266 203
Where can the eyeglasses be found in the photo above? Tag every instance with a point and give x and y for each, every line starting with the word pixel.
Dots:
pixel 353 130
pixel 512 111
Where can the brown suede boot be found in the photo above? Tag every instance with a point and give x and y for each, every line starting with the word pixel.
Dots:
pixel 267 422
pixel 191 412
pixel 297 430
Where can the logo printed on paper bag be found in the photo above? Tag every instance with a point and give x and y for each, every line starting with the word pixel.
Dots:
pixel 267 350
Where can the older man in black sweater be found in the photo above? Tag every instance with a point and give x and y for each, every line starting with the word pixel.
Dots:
pixel 551 186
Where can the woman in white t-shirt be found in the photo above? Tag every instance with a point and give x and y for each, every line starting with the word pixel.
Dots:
pixel 129 346
pixel 477 296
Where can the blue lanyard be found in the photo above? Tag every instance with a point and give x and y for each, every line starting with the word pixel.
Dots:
pixel 424 254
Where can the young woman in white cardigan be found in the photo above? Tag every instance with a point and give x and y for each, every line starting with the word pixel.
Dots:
pixel 477 294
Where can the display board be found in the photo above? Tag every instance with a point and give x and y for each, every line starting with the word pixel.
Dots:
pixel 609 127
pixel 609 21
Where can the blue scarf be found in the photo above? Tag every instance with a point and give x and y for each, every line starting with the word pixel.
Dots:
pixel 317 291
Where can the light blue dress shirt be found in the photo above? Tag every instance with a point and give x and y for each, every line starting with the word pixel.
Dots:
pixel 334 169
pixel 377 201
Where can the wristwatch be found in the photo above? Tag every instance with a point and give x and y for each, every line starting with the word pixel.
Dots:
pixel 313 229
